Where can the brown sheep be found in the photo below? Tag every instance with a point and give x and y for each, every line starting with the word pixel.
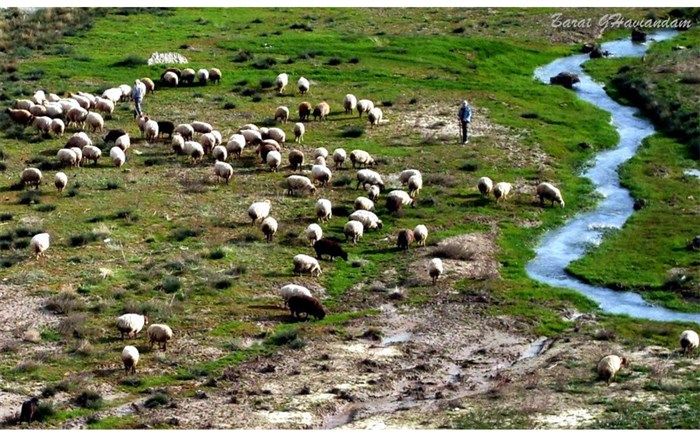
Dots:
pixel 296 159
pixel 307 305
pixel 405 239
pixel 20 116
pixel 29 410
pixel 304 111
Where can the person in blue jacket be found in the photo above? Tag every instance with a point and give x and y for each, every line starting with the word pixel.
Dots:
pixel 465 117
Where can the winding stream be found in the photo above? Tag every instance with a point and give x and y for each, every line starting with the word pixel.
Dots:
pixel 561 246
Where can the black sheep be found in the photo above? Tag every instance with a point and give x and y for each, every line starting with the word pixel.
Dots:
pixel 405 239
pixel 29 410
pixel 307 305
pixel 166 127
pixel 113 134
pixel 326 246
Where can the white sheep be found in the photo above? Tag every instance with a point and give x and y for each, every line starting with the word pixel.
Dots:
pixel 396 199
pixel 405 175
pixel 321 111
pixel 39 97
pixel 31 176
pixel 160 334
pixel 313 233
pixel 353 231
pixel 151 130
pixel 60 181
pixel 299 131
pixel 609 365
pixel 485 185
pixel 79 139
pixel 364 203
pixel 104 105
pixel 37 110
pixel 306 264
pixel 258 211
pixel 420 234
pixel 185 129
pixel 296 183
pixel 368 219
pixel 118 156
pixel 219 153
pixel 123 142
pixel 275 133
pixel 67 158
pixel 689 341
pixel 78 154
pixel 223 170
pixel 281 82
pixel 126 92
pixel 217 137
pixel 321 173
pixel 369 177
pixel 208 141
pixel 363 106
pixel 273 159
pixel 249 126
pixel 291 290
pixel 194 150
pixel 415 184
pixel 282 113
pixel 57 127
pixel 42 124
pixel 23 104
pixel 54 110
pixel 203 75
pixel 201 127
pixel 84 102
pixel 349 103
pixel 501 190
pixel 95 121
pixel 547 191
pixel 373 192
pixel 339 157
pixel 130 356
pixel 435 269
pixel 320 160
pixel 39 244
pixel 177 143
pixel 76 116
pixel 303 85
pixel 324 209
pixel 269 227
pixel 361 158
pixel 91 153
pixel 131 324
pixel 375 116
pixel 187 75
pixel 170 78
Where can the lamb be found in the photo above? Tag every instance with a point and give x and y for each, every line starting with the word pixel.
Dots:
pixel 169 78
pixel 327 246
pixel 269 228
pixel 29 411
pixel 130 358
pixel 324 209
pixel 208 141
pixel 349 103
pixel 485 185
pixel 296 159
pixel 113 134
pixel 57 127
pixel 306 264
pixel 95 121
pixel 299 131
pixel 104 105
pixel 186 130
pixel 369 177
pixel 364 106
pixel 258 211
pixel 202 76
pixel 368 219
pixel 150 86
pixel 161 334
pixel 353 231
pixel 501 190
pixel 609 365
pixel 151 130
pixel 60 181
pixel 165 127
pixel 39 244
pixel 31 176
pixel 178 144
pixel 435 269
pixel 215 75
pixel 404 239
pixel 201 127
pixel 78 139
pixel 321 111
pixel 219 153
pixel 397 199
pixel 236 144
pixel 123 142
pixel 223 170
pixel 187 76
pixel 67 158
pixel 21 116
pixel 362 158
pixel 375 116
pixel 303 85
pixel 373 192
pixel 92 153
pixel 76 116
pixel 313 233
pixel 295 183
pixel 131 324
pixel 304 111
pixel 547 191
pixel 420 234
pixel 118 156
pixel 252 137
pixel 321 173
pixel 42 124
pixel 281 82
pixel 307 305
pixel 194 150
pixel 363 203
pixel 290 290
pixel 282 113
pixel 339 157
pixel 689 341
pixel 274 159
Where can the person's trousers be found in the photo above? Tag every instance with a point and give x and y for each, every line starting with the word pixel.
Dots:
pixel 465 131
pixel 137 107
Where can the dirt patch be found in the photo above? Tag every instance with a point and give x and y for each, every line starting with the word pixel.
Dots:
pixel 20 311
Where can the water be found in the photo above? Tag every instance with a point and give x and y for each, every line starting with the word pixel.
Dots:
pixel 561 246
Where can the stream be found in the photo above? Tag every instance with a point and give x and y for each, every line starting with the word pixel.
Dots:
pixel 561 246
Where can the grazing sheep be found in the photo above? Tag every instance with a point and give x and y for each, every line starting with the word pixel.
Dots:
pixel 363 203
pixel 31 176
pixel 364 106
pixel 201 127
pixel 29 411
pixel 21 116
pixel 78 154
pixel 405 175
pixel 57 127
pixel 123 142
pixel 95 121
pixel 404 239
pixel 208 141
pixel 313 233
pixel 277 134
pixel 397 199
pixel 485 185
pixel 37 110
pixel 39 97
pixel 281 82
pixel 215 75
pixel 187 76
pixel 114 94
pixel 266 147
pixel 324 209
pixel 299 131
pixel 435 269
pixel 118 156
pixel 375 116
pixel 54 110
pixel 249 126
pixel 268 228
pixel 420 234
pixel 369 177
pixel 130 358
pixel 501 191
pixel 303 85
pixel 339 157
pixel 327 246
pixel 321 173
pixel 223 170
pixel 150 85
pixel 368 219
pixel 79 139
pixel 609 365
pixel 361 158
pixel 373 192
pixel 91 153
pixel 178 144
pixel 547 191
pixel 252 137
pixel 76 116
pixel 104 105
pixel 60 181
pixel 273 159
pixel 415 184
pixel 296 183
pixel 304 111
pixel 131 324
pixel 186 130
pixel 23 104
pixel 349 103
pixel 42 124
pixel 67 158
pixel 236 144
pixel 282 114
pixel 290 290
pixel 112 135
pixel 151 130
pixel 126 92
pixel 83 102
pixel 39 244
pixel 219 153
pixel 161 334
pixel 170 78
pixel 321 111
pixel 194 150
pixel 296 159
pixel 307 305
pixel 258 211
pixel 320 160
pixel 306 264
pixel 353 231
pixel 165 127
pixel 689 341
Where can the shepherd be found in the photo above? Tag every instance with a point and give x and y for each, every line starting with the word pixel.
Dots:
pixel 465 117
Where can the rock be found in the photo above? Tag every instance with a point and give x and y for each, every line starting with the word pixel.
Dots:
pixel 677 48
pixel 166 58
pixel 200 394
pixel 588 47
pixel 565 79
pixel 269 368
pixel 174 421
pixel 638 35
pixel 597 52
pixel 639 204
pixel 305 390
pixel 31 336
pixel 584 145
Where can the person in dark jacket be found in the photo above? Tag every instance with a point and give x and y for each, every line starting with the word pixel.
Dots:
pixel 465 117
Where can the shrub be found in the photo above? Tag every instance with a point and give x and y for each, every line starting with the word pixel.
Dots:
pixel 113 185
pixel 242 56
pixel 413 101
pixel 73 325
pixel 127 214
pixel 353 60
pixel 387 103
pixel 5 217
pixel 458 30
pixel 44 411
pixel 530 115
pixel 264 64
pixel 301 26
pixel 469 166
pixel 156 400
pixel 45 208
pixel 441 179
pixel 82 239
pixel 130 61
pixel 217 253
pixel 30 198
pixel 310 54
pixel 89 399
pixel 222 283
pixel 247 92
pixel 352 131
pixel 170 284
pixel 285 337
pixel 256 98
pixel 229 105
pixel 64 303
pixel 334 61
